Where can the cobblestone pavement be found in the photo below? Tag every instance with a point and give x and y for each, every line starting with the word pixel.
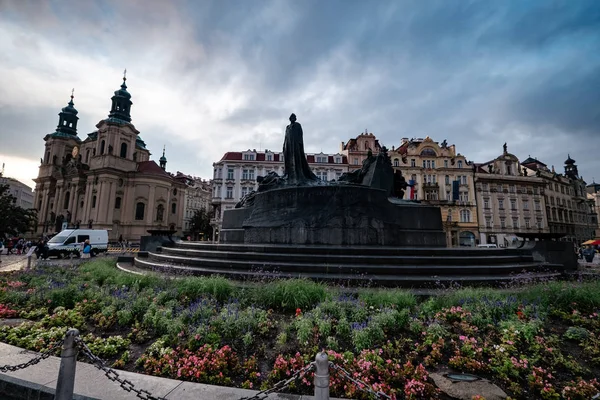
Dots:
pixel 12 262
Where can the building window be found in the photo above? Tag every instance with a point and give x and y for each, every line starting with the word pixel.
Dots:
pixel 486 203
pixel 552 201
pixel 102 144
pixel 117 202
pixel 484 187
pixel 502 223
pixel 67 198
pixel 515 222
pixel 501 204
pixel 244 191
pixel 396 162
pixel 525 205
pixel 433 164
pixel 488 222
pixel 538 207
pixel 355 160
pixel 140 209
pixel 123 150
pixel 229 193
pixel 447 180
pixel 424 164
pixel 508 169
pixel 459 164
pixel 465 216
pixel 499 188
pixel 93 202
pixel 445 163
pixel 428 164
pixel 512 188
pixel 413 162
pixel 321 159
pixel 251 174
pixel 562 189
pixel 248 157
pixel 527 223
pixel 173 208
pixel 513 204
pixel 244 174
pixel 160 213
pixel 338 160
pixel 540 224
pixel 535 190
pixel 269 157
pixel 230 173
pixel 322 175
pixel 464 179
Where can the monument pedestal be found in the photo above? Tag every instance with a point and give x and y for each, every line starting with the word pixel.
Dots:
pixel 346 215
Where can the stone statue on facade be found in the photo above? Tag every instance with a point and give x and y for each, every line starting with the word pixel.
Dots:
pixel 296 169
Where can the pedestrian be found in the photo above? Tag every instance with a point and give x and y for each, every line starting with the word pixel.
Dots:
pixel 122 243
pixel 9 247
pixel 19 247
pixel 87 249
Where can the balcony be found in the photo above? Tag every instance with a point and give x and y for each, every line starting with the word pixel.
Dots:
pixel 430 185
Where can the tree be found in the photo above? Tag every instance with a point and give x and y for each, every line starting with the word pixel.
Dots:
pixel 14 220
pixel 200 223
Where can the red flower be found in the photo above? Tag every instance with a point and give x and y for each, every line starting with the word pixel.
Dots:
pixel 298 312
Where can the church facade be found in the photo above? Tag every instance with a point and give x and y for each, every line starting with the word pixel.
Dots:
pixel 105 180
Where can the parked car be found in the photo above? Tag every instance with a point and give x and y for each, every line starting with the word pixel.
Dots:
pixel 69 242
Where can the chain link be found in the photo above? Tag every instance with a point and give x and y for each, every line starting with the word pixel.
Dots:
pixel 263 394
pixel 111 374
pixel 33 361
pixel 360 385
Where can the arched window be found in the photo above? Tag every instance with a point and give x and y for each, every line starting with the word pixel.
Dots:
pixel 124 150
pixel 160 212
pixel 173 208
pixel 87 156
pixel 117 202
pixel 428 152
pixel 94 202
pixel 102 144
pixel 67 198
pixel 140 209
pixel 396 162
pixel 366 145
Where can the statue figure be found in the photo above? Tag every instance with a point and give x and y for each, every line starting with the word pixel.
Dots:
pixel 445 144
pixel 400 184
pixel 296 169
pixel 490 168
pixel 524 171
pixel 505 148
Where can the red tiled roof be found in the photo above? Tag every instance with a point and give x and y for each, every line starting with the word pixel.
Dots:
pixel 151 168
pixel 232 156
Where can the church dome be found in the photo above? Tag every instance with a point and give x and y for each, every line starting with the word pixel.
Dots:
pixel 70 109
pixel 123 91
pixel 569 160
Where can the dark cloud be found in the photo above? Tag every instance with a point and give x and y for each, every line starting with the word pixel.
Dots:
pixel 477 73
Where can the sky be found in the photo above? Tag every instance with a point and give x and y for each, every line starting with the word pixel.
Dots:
pixel 207 77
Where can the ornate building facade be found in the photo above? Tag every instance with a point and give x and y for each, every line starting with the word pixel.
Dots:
pixel 568 210
pixel 235 175
pixel 22 193
pixel 198 196
pixel 444 178
pixel 357 149
pixel 107 180
pixel 509 200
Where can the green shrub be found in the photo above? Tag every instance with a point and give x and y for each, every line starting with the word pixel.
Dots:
pixel 400 299
pixel 291 294
pixel 218 287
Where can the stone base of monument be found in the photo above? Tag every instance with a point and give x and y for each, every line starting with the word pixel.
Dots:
pixel 346 215
pixel 350 265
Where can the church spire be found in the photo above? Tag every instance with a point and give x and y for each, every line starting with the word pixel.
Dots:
pixel 121 103
pixel 163 160
pixel 67 118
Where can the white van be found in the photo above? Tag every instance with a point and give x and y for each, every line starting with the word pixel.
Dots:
pixel 487 246
pixel 71 240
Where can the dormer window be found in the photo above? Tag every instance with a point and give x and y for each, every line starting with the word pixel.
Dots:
pixel 321 159
pixel 249 157
pixel 338 160
pixel 269 157
pixel 460 164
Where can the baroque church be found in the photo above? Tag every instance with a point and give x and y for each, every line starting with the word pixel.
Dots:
pixel 105 180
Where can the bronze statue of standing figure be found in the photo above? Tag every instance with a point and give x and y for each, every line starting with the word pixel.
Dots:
pixel 296 169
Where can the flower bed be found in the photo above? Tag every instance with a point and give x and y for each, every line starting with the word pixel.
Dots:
pixel 537 343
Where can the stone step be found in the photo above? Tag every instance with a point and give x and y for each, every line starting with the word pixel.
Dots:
pixel 383 280
pixel 436 267
pixel 344 259
pixel 348 250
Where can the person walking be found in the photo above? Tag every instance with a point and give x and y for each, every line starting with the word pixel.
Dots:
pixel 87 249
pixel 9 247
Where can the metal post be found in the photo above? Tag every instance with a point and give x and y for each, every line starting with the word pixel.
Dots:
pixel 68 363
pixel 28 262
pixel 322 377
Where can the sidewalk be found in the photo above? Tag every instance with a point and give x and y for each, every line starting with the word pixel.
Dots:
pixel 13 262
pixel 39 382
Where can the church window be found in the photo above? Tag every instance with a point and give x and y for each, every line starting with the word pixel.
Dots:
pixel 396 162
pixel 102 144
pixel 140 208
pixel 94 202
pixel 160 213
pixel 124 150
pixel 118 203
pixel 67 198
pixel 174 208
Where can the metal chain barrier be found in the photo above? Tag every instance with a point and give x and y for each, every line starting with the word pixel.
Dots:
pixel 360 385
pixel 263 394
pixel 33 361
pixel 112 375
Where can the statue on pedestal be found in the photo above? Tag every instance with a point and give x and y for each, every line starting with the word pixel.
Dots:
pixel 296 169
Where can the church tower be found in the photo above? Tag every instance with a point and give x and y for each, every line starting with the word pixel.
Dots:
pixel 163 160
pixel 121 103
pixel 571 168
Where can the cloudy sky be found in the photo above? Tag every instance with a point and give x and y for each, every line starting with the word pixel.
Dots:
pixel 208 77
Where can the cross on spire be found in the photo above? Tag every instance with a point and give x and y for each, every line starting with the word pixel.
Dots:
pixel 125 74
pixel 72 93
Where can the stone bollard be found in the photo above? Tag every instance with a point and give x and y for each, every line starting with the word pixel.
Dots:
pixel 68 363
pixel 321 376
